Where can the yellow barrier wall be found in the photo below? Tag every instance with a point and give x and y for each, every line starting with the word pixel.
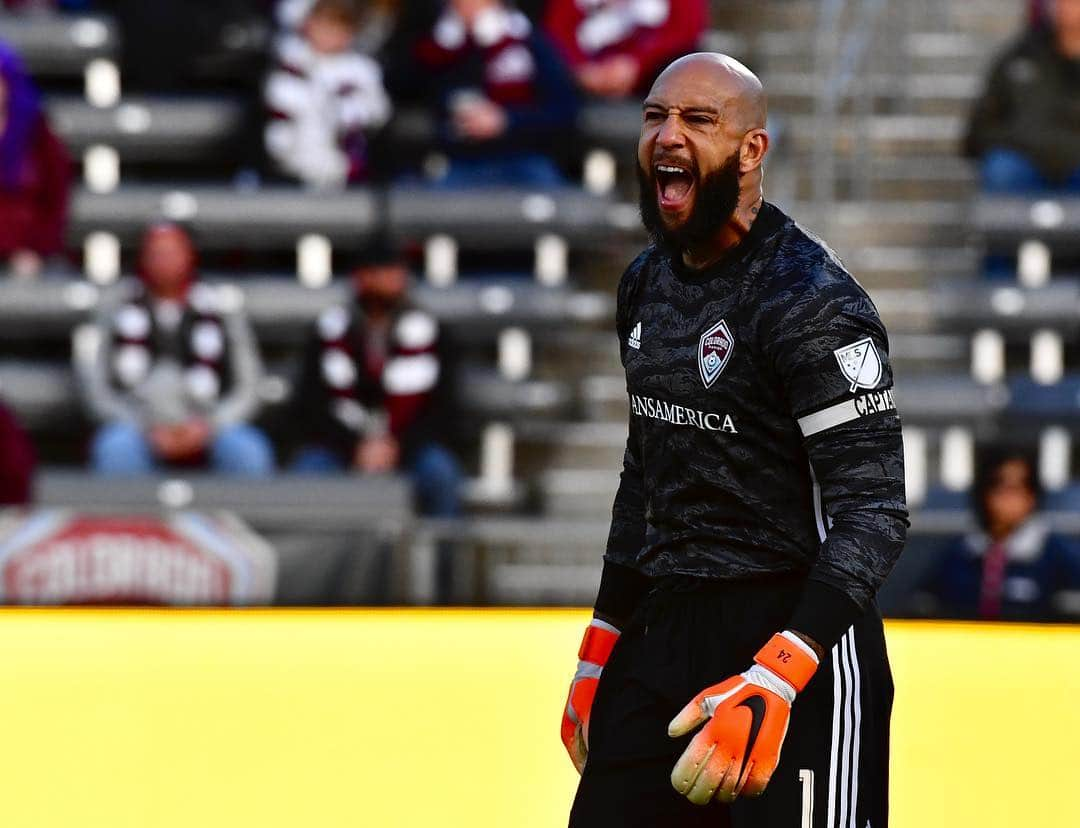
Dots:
pixel 327 718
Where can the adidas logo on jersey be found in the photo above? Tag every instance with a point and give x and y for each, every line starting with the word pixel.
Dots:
pixel 635 337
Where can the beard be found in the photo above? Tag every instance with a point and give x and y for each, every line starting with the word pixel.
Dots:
pixel 715 201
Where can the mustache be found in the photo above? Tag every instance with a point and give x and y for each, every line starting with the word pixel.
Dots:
pixel 687 164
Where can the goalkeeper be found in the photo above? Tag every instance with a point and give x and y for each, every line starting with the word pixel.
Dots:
pixel 735 671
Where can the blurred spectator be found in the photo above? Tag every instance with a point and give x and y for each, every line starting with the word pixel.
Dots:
pixel 175 371
pixel 1014 568
pixel 617 48
pixel 1036 11
pixel 180 45
pixel 373 394
pixel 506 99
pixel 46 5
pixel 323 95
pixel 17 461
pixel 375 20
pixel 1025 130
pixel 35 174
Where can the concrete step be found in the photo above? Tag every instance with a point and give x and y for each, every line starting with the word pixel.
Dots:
pixel 950 51
pixel 904 310
pixel 894 183
pixel 936 52
pixel 883 266
pixel 579 493
pixel 582 353
pixel 990 20
pixel 547 584
pixel 928 354
pixel 850 226
pixel 905 182
pixel 884 135
pixel 916 134
pixel 762 15
pixel 928 93
pixel 534 562
pixel 571 445
pixel 604 397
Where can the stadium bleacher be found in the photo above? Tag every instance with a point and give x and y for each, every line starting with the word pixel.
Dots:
pixel 542 388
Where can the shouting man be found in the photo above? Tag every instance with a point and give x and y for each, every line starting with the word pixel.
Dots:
pixel 735 672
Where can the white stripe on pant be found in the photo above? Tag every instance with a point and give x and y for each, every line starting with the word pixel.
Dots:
pixel 846 724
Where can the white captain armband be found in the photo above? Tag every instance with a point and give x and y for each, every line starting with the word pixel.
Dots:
pixel 864 405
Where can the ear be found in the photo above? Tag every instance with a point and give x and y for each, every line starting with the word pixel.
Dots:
pixel 755 146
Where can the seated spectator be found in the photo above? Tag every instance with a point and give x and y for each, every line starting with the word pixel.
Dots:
pixel 1025 129
pixel 373 393
pixel 616 48
pixel 175 372
pixel 17 461
pixel 1014 568
pixel 504 96
pixel 35 174
pixel 324 96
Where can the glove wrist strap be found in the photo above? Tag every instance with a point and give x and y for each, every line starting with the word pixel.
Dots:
pixel 599 641
pixel 790 658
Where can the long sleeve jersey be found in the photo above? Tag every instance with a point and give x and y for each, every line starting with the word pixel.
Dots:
pixel 763 439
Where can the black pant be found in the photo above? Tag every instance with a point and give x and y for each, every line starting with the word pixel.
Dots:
pixel 689 634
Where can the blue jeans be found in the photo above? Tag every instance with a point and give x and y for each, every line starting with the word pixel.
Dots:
pixel 1008 172
pixel 524 170
pixel 122 449
pixel 435 473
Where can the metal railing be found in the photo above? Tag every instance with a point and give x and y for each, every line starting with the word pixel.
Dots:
pixel 846 32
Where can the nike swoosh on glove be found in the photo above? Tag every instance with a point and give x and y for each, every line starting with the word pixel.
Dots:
pixel 746 718
pixel 595 650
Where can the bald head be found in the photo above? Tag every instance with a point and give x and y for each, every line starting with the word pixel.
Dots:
pixel 735 90
pixel 700 153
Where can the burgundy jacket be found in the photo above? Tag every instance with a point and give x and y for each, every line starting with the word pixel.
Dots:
pixel 34 216
pixel 17 461
pixel 673 29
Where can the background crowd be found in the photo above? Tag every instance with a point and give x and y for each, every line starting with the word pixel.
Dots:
pixel 172 380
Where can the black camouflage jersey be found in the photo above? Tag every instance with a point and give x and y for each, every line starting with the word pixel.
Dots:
pixel 763 437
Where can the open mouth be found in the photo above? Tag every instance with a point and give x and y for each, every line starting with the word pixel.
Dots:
pixel 674 185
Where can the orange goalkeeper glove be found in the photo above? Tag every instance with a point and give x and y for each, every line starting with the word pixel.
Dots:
pixel 595 650
pixel 747 718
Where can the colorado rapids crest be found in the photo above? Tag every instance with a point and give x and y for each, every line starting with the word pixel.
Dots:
pixel 714 352
pixel 860 363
